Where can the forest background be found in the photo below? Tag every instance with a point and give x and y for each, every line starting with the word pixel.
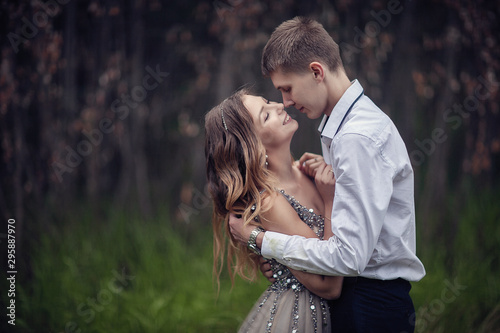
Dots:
pixel 102 177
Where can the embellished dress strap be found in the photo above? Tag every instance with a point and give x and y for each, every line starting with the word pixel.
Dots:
pixel 286 305
pixel 315 221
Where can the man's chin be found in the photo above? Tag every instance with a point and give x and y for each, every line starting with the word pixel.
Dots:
pixel 313 115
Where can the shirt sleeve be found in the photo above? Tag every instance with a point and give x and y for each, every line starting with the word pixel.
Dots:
pixel 363 191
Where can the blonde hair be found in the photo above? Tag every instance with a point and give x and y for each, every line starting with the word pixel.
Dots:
pixel 237 181
pixel 296 43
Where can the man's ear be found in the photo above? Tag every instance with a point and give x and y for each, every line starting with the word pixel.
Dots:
pixel 317 70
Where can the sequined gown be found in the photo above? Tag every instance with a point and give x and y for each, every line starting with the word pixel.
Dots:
pixel 286 305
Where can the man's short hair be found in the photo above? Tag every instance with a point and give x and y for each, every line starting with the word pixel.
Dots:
pixel 296 43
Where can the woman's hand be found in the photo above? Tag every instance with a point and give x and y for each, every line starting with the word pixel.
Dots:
pixel 309 162
pixel 325 182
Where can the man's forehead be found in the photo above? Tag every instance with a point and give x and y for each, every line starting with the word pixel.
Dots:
pixel 280 79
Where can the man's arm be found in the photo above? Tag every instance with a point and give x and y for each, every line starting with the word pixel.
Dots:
pixel 283 218
pixel 363 192
pixel 327 181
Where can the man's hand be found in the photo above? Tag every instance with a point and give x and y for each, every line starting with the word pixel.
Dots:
pixel 242 233
pixel 309 162
pixel 238 229
pixel 265 268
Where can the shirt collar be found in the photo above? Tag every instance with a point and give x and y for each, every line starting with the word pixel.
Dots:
pixel 329 125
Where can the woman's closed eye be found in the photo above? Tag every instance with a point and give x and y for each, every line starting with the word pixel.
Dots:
pixel 267 114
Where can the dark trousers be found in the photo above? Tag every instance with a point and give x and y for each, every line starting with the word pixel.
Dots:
pixel 369 305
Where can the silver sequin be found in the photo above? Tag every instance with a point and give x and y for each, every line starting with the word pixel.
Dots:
pixel 285 280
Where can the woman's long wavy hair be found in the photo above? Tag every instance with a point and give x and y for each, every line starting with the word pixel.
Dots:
pixel 237 179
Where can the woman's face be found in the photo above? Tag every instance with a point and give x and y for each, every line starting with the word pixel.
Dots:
pixel 273 124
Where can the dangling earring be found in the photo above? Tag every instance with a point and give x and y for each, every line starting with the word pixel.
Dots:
pixel 267 163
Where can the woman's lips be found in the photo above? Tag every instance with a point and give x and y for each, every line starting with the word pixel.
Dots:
pixel 287 119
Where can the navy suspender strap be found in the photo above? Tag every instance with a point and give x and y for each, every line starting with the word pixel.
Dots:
pixel 349 110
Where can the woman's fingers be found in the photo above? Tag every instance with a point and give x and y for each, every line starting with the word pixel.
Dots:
pixel 309 162
pixel 324 175
pixel 309 156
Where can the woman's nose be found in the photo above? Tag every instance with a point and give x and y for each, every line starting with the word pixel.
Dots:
pixel 280 107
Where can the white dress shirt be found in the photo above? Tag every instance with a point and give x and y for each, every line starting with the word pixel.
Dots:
pixel 373 216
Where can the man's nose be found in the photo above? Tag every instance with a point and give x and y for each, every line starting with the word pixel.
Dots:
pixel 287 102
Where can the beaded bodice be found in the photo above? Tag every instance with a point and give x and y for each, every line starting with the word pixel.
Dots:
pixel 284 278
pixel 317 308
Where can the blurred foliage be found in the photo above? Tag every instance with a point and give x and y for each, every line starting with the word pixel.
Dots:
pixel 121 276
pixel 461 292
pixel 131 275
pixel 102 105
pixel 105 99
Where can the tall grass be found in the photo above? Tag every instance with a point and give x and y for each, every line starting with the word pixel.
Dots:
pixel 121 274
pixel 461 291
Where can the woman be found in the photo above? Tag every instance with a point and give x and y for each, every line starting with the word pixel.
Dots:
pixel 250 172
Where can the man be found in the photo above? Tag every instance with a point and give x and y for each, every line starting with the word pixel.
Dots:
pixel 373 216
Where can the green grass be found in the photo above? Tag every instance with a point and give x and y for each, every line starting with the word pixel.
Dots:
pixel 122 274
pixel 461 291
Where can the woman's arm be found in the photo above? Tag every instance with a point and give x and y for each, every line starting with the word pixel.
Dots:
pixel 324 180
pixel 281 217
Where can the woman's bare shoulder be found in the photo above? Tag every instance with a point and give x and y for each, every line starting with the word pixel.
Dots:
pixel 281 217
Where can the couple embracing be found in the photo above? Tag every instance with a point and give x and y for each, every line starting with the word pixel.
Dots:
pixel 337 231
